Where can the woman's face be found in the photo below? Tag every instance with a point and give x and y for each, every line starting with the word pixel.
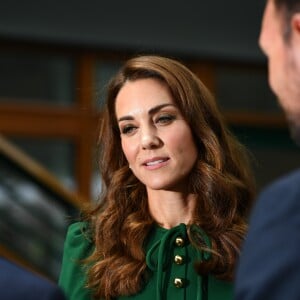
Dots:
pixel 156 140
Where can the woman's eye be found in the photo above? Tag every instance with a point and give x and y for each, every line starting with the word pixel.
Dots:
pixel 128 129
pixel 165 119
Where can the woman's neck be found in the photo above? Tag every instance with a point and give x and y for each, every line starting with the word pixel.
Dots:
pixel 169 208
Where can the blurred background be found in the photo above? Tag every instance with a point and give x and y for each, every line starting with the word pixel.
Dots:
pixel 55 60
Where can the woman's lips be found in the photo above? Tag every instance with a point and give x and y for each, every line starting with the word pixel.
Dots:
pixel 155 163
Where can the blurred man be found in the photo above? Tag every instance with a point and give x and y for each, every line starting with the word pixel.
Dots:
pixel 270 261
pixel 19 284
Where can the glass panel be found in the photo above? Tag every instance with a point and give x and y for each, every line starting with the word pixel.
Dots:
pixel 56 155
pixel 105 70
pixel 275 154
pixel 243 89
pixel 33 221
pixel 35 78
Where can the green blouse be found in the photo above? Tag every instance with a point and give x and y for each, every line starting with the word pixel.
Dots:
pixel 169 256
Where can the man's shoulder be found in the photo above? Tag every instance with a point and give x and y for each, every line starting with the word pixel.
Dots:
pixel 287 184
pixel 281 197
pixel 10 270
pixel 15 281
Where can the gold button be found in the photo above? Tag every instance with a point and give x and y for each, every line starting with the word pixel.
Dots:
pixel 179 241
pixel 178 282
pixel 178 259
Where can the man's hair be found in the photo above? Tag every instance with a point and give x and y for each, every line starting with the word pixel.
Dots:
pixel 287 8
pixel 290 6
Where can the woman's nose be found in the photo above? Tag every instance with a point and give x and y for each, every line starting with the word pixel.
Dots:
pixel 149 139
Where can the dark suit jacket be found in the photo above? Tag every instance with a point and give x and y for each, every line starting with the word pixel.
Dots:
pixel 19 284
pixel 269 266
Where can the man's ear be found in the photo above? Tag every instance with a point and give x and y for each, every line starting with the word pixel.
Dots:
pixel 295 25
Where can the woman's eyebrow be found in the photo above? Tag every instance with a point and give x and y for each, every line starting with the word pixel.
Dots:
pixel 157 108
pixel 151 111
pixel 125 118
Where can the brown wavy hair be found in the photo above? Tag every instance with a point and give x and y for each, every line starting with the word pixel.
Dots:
pixel 221 179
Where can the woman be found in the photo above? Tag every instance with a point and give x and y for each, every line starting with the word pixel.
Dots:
pixel 176 192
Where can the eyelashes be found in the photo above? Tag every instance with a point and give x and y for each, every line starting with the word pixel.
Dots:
pixel 165 119
pixel 159 120
pixel 127 129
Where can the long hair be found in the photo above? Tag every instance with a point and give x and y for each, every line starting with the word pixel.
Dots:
pixel 221 179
